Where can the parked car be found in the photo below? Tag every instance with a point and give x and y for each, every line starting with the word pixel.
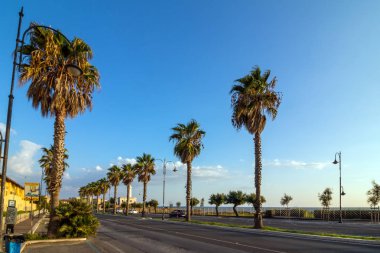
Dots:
pixel 133 211
pixel 119 211
pixel 177 214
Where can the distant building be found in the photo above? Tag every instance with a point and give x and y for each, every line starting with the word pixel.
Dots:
pixel 15 191
pixel 121 200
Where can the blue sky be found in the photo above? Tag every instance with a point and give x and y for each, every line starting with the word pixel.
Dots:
pixel 165 62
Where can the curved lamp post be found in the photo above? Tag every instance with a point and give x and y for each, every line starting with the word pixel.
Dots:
pixel 164 163
pixel 71 68
pixel 341 191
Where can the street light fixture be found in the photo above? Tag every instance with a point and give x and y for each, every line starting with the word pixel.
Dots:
pixel 71 68
pixel 341 191
pixel 164 162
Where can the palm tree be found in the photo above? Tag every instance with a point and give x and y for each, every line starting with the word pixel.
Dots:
pixel 97 192
pixel 217 200
pixel 285 200
pixel 46 163
pixel 104 185
pixel 236 198
pixel 253 99
pixel 188 145
pixel 114 176
pixel 145 168
pixel 129 173
pixel 57 92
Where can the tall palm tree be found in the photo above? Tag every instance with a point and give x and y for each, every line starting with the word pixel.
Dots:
pixel 114 176
pixel 104 185
pixel 188 145
pixel 253 99
pixel 57 92
pixel 129 174
pixel 46 163
pixel 145 168
pixel 97 192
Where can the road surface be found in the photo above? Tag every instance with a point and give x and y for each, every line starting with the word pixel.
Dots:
pixel 118 234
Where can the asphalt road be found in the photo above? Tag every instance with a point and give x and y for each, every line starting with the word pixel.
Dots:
pixel 131 234
pixel 346 228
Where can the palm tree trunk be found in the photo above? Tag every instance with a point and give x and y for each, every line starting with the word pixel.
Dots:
pixel 57 170
pixel 217 210
pixel 258 168
pixel 104 202
pixel 144 201
pixel 127 206
pixel 114 199
pixel 188 192
pixel 97 203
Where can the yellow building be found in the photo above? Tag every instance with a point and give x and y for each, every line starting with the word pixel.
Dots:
pixel 15 191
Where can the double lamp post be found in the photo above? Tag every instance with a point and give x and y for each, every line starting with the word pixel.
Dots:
pixel 341 191
pixel 164 163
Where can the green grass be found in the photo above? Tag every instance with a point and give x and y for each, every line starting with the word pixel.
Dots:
pixel 219 224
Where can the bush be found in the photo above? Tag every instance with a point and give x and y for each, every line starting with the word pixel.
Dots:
pixel 76 219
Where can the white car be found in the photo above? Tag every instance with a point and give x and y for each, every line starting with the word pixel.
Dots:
pixel 119 210
pixel 133 211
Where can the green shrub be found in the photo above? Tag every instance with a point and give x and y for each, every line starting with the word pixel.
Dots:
pixel 76 219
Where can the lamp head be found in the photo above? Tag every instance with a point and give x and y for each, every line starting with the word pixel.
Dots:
pixel 343 193
pixel 335 161
pixel 175 169
pixel 74 70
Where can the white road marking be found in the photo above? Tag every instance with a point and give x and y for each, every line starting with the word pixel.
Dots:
pixel 114 247
pixel 208 238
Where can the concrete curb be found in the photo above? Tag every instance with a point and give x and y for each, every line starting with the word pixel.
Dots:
pixel 51 241
pixel 35 226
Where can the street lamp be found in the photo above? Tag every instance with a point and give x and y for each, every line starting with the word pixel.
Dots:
pixel 164 162
pixel 341 191
pixel 71 68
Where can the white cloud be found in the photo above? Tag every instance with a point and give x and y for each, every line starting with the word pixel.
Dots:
pixel 292 164
pixel 98 168
pixel 3 127
pixel 121 161
pixel 86 170
pixel 66 175
pixel 23 161
pixel 210 172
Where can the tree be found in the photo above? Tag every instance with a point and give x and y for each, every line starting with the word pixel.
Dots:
pixel 153 203
pixel 236 198
pixel 178 204
pixel 46 163
pixel 217 200
pixel 145 168
pixel 114 176
pixel 193 202
pixel 374 195
pixel 57 92
pixel 188 145
pixel 325 198
pixel 251 199
pixel 105 186
pixel 253 99
pixel 285 200
pixel 129 174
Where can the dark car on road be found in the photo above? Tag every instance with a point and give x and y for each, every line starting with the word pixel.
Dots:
pixel 177 214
